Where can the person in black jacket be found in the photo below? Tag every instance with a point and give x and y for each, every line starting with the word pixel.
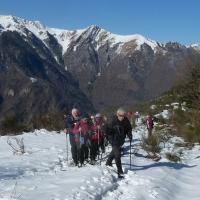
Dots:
pixel 116 132
pixel 71 121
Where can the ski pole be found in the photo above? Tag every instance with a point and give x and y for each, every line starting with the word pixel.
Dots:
pixel 67 146
pixel 98 141
pixel 130 154
pixel 101 157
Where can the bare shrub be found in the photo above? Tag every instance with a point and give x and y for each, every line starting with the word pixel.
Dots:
pixel 17 145
pixel 173 157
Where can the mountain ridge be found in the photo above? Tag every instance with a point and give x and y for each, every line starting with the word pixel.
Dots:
pixel 110 69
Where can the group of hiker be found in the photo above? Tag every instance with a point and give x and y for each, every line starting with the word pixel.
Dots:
pixel 88 136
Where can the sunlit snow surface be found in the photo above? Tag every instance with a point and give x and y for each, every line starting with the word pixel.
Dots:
pixel 42 172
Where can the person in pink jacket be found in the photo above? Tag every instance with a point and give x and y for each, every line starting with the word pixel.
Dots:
pixel 81 134
pixel 149 124
pixel 96 138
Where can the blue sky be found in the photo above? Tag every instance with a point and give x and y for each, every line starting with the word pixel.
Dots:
pixel 161 20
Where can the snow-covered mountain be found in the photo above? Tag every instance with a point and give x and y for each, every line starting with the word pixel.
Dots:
pixel 65 37
pixel 133 67
pixel 196 47
pixel 32 80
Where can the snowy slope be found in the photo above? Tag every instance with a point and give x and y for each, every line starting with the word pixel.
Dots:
pixel 196 47
pixel 66 37
pixel 41 173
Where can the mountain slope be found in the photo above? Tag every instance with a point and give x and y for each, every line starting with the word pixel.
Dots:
pixel 31 80
pixel 112 70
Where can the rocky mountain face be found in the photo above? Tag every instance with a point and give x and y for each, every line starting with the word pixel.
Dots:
pixel 32 82
pixel 42 68
pixel 116 71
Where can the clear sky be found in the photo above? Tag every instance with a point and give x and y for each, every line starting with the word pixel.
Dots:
pixel 161 20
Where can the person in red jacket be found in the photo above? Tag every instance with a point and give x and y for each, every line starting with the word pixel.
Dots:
pixel 149 124
pixel 81 133
pixel 71 121
pixel 96 138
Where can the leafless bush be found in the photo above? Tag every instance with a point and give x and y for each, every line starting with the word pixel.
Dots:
pixel 17 145
pixel 173 157
pixel 14 195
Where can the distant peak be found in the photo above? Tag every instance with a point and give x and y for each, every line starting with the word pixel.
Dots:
pixel 13 20
pixel 93 26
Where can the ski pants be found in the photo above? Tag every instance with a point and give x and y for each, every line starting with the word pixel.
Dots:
pixel 74 149
pixel 115 154
pixel 83 152
pixel 102 145
pixel 93 150
pixel 149 132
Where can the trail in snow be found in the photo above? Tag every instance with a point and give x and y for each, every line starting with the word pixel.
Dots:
pixel 38 174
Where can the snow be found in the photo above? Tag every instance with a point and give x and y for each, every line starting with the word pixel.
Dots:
pixel 195 47
pixel 153 107
pixel 165 114
pixel 120 40
pixel 175 105
pixel 66 68
pixel 139 39
pixel 33 80
pixel 42 172
pixel 66 37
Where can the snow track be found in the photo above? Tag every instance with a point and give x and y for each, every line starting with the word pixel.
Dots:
pixel 41 173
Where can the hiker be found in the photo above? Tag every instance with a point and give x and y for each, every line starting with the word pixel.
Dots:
pixel 81 134
pixel 99 121
pixel 149 124
pixel 137 115
pixel 96 138
pixel 130 117
pixel 116 132
pixel 71 121
pixel 92 118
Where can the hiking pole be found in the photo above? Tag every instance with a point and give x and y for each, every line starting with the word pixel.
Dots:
pixel 130 154
pixel 67 146
pixel 98 142
pixel 101 158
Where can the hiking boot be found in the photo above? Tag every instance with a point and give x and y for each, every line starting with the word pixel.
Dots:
pixel 80 164
pixel 120 174
pixel 92 162
pixel 72 164
pixel 109 164
pixel 86 161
